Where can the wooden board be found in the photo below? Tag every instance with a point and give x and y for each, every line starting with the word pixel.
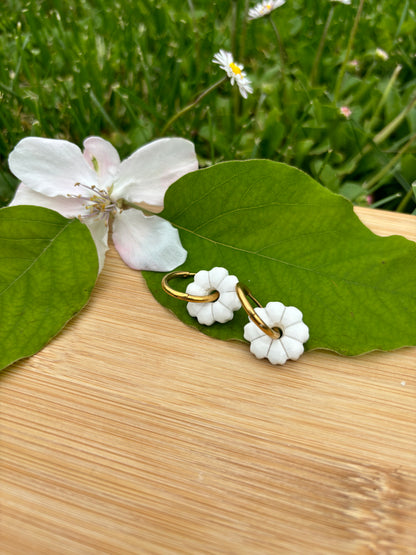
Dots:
pixel 131 433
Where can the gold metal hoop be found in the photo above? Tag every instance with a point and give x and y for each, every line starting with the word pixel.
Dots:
pixel 186 296
pixel 243 292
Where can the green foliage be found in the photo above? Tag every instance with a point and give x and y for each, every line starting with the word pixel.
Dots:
pixel 291 240
pixel 48 267
pixel 122 69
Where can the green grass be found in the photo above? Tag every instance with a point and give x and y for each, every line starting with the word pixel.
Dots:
pixel 122 69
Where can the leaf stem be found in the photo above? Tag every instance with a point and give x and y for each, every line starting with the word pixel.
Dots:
pixel 191 105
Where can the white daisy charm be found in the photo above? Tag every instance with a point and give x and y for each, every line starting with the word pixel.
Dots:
pixel 222 310
pixel 294 333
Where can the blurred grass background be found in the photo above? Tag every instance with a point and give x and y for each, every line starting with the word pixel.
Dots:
pixel 122 69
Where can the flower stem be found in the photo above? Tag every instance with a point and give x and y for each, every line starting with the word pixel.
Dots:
pixel 321 46
pixel 191 105
pixel 348 51
pixel 386 169
pixel 283 55
pixel 386 131
pixel 405 201
pixel 383 99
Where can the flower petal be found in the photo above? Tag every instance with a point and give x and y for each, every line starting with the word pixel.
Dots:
pixel 147 242
pixel 106 159
pixel 99 232
pixel 292 315
pixel 275 310
pixel 68 207
pixel 292 347
pixel 216 276
pixel 252 332
pixel 277 354
pixel 299 331
pixel 260 346
pixel 50 166
pixel 201 280
pixel 205 314
pixel 147 173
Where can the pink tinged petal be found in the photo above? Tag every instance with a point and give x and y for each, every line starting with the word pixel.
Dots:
pixel 102 157
pixel 277 354
pixel 51 166
pixel 147 242
pixel 99 232
pixel 299 331
pixel 147 173
pixel 292 347
pixel 68 207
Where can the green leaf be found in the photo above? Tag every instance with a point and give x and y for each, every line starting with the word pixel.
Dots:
pixel 291 240
pixel 48 267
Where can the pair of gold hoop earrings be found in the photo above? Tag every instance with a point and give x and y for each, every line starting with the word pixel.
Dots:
pixel 275 332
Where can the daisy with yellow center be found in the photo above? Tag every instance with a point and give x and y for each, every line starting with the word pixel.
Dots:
pixel 235 72
pixel 264 8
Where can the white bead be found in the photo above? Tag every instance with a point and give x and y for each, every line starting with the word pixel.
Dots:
pixel 222 310
pixel 294 333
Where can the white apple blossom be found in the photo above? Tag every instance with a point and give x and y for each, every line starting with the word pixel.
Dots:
pixel 96 187
pixel 221 310
pixel 294 333
pixel 235 72
pixel 264 8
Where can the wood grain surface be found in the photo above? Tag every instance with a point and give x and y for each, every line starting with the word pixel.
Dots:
pixel 131 433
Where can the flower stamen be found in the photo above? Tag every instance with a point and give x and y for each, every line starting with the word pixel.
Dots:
pixel 235 69
pixel 98 204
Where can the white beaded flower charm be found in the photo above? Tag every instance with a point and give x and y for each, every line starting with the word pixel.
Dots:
pixel 211 297
pixel 221 310
pixel 293 333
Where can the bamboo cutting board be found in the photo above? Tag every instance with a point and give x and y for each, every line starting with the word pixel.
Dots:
pixel 131 433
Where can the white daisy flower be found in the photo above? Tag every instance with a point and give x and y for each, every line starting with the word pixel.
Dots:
pixel 235 72
pixel 264 8
pixel 294 333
